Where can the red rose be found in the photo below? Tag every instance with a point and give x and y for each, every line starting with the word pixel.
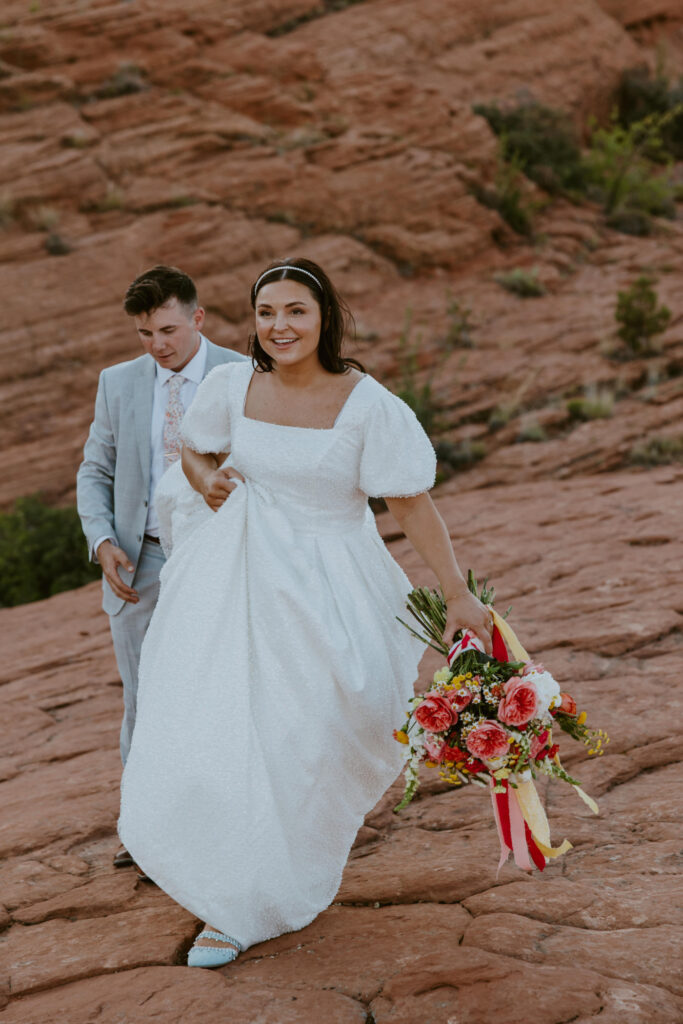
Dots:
pixel 475 766
pixel 460 699
pixel 488 739
pixel 435 714
pixel 452 754
pixel 568 704
pixel 537 745
pixel 520 703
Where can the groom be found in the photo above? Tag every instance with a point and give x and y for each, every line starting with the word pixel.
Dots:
pixel 133 438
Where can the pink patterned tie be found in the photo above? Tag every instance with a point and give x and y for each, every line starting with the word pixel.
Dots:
pixel 172 420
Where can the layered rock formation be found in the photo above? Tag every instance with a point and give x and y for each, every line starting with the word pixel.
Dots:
pixel 217 135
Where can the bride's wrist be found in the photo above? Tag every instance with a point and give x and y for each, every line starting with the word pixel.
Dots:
pixel 458 595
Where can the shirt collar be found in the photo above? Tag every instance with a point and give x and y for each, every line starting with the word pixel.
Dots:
pixel 194 370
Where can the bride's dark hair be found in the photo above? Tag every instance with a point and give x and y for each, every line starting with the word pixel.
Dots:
pixel 335 315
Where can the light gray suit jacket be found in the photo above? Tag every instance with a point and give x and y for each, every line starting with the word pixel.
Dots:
pixel 112 485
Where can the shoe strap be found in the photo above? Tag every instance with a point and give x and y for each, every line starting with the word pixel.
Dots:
pixel 208 934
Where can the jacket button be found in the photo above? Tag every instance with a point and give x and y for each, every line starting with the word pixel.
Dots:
pixel 139 536
pixel 145 503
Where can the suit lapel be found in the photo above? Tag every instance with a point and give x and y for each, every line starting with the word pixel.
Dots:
pixel 144 400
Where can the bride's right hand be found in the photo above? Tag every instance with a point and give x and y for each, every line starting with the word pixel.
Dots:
pixel 218 485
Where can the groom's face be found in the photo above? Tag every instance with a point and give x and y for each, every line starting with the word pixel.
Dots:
pixel 170 334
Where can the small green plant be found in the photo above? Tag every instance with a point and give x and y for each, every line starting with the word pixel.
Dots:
pixel 621 173
pixel 641 93
pixel 42 552
pixel 594 404
pixel 112 200
pixel 56 245
pixel 459 330
pixel 531 430
pixel 461 453
pixel 418 396
pixel 657 451
pixel 521 282
pixel 44 218
pixel 76 140
pixel 542 142
pixel 507 196
pixel 127 79
pixel 639 316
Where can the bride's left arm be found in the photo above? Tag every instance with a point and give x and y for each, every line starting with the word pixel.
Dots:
pixel 425 529
pixel 205 475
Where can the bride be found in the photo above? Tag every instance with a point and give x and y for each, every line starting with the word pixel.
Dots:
pixel 274 671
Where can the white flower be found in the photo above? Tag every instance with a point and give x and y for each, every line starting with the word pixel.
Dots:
pixel 547 688
pixel 442 676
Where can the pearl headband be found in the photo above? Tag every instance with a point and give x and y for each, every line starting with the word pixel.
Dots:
pixel 299 270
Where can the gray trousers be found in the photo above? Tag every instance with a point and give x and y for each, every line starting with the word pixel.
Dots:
pixel 128 630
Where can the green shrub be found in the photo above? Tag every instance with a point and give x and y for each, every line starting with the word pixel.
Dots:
pixel 594 404
pixel 459 331
pixel 640 94
pixel 531 431
pixel 657 451
pixel 42 552
pixel 521 282
pixel 56 245
pixel 639 316
pixel 541 141
pixel 127 79
pixel 461 453
pixel 621 173
pixel 507 197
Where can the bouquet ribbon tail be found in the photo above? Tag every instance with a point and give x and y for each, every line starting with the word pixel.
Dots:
pixel 509 638
pixel 523 827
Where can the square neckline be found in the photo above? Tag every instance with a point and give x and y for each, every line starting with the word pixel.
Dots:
pixel 292 426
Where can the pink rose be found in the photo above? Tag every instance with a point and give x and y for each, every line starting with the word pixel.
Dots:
pixel 538 743
pixel 487 740
pixel 435 714
pixel 440 751
pixel 520 703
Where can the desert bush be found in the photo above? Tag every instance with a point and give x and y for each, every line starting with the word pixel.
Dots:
pixel 594 404
pixel 657 451
pixel 541 141
pixel 622 175
pixel 507 196
pixel 127 79
pixel 639 316
pixel 42 552
pixel 521 282
pixel 56 245
pixel 640 93
pixel 461 453
pixel 531 431
pixel 459 331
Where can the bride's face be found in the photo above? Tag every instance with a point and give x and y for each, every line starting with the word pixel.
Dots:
pixel 287 322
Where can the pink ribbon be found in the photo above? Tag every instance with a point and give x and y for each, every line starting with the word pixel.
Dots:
pixel 513 832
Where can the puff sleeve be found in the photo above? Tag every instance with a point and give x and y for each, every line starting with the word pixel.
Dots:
pixel 206 424
pixel 397 460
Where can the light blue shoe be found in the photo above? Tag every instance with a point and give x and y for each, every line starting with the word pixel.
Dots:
pixel 213 956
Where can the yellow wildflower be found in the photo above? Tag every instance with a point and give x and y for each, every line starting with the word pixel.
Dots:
pixel 401 736
pixel 582 718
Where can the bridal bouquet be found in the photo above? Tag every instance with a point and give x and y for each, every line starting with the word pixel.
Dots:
pixel 488 720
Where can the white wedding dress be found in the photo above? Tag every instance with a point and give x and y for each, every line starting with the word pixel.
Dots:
pixel 274 670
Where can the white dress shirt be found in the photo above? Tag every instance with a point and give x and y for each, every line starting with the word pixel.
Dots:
pixel 194 374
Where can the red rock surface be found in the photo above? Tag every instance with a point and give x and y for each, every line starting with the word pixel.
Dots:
pixel 269 128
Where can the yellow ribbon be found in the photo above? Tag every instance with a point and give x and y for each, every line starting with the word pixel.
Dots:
pixel 511 642
pixel 534 815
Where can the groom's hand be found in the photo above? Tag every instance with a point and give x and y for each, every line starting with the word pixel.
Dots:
pixel 218 485
pixel 110 558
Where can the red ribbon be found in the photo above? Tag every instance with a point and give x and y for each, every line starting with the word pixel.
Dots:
pixel 513 832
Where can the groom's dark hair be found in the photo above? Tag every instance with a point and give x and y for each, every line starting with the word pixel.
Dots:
pixel 159 285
